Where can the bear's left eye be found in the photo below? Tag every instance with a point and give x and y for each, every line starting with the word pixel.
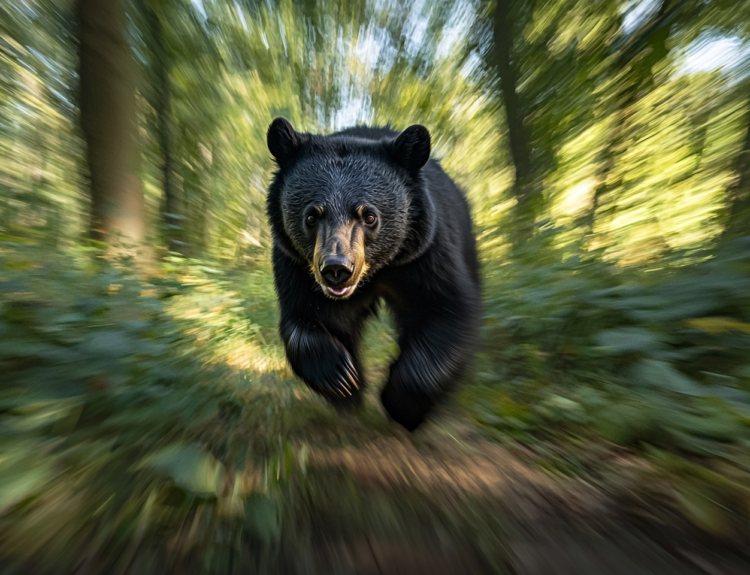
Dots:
pixel 370 219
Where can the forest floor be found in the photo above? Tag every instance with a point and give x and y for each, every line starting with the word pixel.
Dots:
pixel 144 435
pixel 464 504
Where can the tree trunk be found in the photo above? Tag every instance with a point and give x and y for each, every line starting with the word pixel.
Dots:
pixel 625 100
pixel 195 218
pixel 109 123
pixel 162 106
pixel 525 212
pixel 738 209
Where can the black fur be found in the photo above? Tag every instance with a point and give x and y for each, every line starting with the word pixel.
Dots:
pixel 421 260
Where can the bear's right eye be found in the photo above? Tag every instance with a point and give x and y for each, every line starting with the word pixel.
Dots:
pixel 311 220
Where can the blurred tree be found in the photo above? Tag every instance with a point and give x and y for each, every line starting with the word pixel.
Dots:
pixel 633 64
pixel 197 49
pixel 38 151
pixel 108 119
pixel 161 101
pixel 528 197
pixel 729 18
pixel 738 194
pixel 608 127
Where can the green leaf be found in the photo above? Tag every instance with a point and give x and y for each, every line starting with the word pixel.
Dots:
pixel 661 375
pixel 192 469
pixel 263 517
pixel 703 511
pixel 10 286
pixel 21 473
pixel 717 424
pixel 70 318
pixel 108 343
pixel 627 423
pixel 563 409
pixel 628 339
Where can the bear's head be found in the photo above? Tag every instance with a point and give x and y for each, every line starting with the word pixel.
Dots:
pixel 347 205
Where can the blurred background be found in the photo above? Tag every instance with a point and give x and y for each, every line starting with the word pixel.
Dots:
pixel 148 420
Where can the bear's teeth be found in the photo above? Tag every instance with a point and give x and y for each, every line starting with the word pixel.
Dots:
pixel 340 291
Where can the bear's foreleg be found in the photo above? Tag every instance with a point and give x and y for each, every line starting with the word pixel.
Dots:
pixel 321 361
pixel 434 355
pixel 327 365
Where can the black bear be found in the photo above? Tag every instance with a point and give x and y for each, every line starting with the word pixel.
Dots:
pixel 364 215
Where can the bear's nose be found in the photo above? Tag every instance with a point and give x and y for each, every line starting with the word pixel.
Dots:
pixel 336 270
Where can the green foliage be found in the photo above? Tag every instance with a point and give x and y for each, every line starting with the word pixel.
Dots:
pixel 263 517
pixel 645 359
pixel 108 411
pixel 191 468
pixel 138 411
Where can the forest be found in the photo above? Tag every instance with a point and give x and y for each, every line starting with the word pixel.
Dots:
pixel 149 420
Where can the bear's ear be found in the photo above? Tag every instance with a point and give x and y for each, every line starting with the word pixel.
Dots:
pixel 411 149
pixel 283 141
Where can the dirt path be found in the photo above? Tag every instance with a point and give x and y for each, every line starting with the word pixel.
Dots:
pixel 456 503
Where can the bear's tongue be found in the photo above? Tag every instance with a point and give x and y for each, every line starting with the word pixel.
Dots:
pixel 339 291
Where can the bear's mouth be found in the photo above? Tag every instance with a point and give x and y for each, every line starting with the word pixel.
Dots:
pixel 339 292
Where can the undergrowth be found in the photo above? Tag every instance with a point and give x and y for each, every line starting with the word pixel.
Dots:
pixel 586 364
pixel 152 425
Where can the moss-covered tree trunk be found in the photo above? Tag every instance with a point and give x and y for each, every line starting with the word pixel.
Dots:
pixel 109 122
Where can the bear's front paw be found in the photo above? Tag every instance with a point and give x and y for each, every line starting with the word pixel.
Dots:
pixel 407 407
pixel 330 372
